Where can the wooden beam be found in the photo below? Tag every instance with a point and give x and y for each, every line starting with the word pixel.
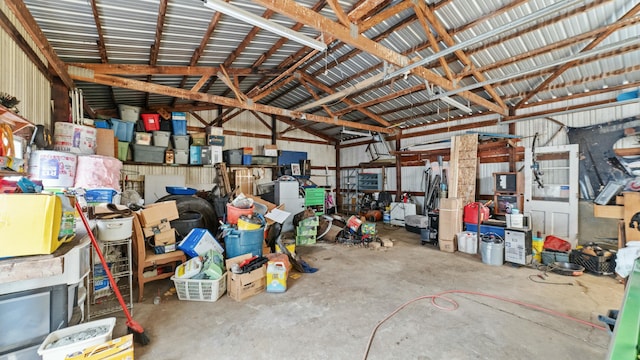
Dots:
pixel 600 38
pixel 200 83
pixel 363 8
pixel 366 112
pixel 126 83
pixel 302 14
pixel 315 95
pixel 420 10
pixel 199 118
pixel 155 47
pixel 448 39
pixel 22 43
pixel 131 69
pixel 229 82
pixel 555 46
pixel 339 12
pixel 392 95
pixel 27 21
pixel 257 116
pixel 102 47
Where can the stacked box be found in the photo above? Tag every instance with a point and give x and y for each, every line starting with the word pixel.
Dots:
pixel 307 230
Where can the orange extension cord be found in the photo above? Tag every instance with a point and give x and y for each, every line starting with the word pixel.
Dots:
pixel 455 305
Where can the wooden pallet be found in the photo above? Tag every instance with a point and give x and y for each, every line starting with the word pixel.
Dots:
pixel 463 167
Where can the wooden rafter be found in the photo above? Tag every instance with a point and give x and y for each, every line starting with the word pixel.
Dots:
pixel 131 69
pixel 600 38
pixel 300 13
pixel 390 96
pixel 200 83
pixel 328 90
pixel 126 83
pixel 448 39
pixel 315 95
pixel 257 116
pixel 555 46
pixel 199 118
pixel 197 53
pixel 102 47
pixel 155 47
pixel 29 24
pixel 339 12
pixel 226 79
pixel 310 131
pixel 420 12
pixel 512 5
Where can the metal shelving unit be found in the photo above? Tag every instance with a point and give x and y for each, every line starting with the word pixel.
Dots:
pixel 101 299
pixel 349 185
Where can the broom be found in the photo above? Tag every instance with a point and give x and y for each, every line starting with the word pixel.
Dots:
pixel 133 327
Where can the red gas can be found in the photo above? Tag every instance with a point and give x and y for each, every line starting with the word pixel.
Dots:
pixel 471 213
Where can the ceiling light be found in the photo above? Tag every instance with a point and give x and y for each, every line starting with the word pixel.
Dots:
pixel 456 104
pixel 355 133
pixel 625 82
pixel 605 86
pixel 263 23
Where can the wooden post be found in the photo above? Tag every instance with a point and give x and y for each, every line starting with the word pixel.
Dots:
pixel 338 200
pixel 61 103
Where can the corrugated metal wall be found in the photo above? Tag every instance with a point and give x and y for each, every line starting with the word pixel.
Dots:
pixel 21 78
pixel 412 176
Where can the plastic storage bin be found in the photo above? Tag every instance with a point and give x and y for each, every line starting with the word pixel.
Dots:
pixel 143 138
pixel 246 159
pixel 129 113
pixel 149 154
pixel 151 122
pixel 180 142
pixel 181 156
pixel 102 124
pixel 195 155
pixel 232 157
pixel 100 196
pixel 123 130
pixel 60 352
pixel 240 242
pixel 200 290
pixel 179 127
pixel 161 138
pixel 123 150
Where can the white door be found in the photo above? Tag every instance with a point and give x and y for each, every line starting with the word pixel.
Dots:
pixel 551 197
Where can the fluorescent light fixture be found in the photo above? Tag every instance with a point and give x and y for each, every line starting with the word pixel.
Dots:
pixel 355 133
pixel 263 23
pixel 456 103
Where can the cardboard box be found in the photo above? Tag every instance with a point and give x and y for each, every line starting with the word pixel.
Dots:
pixel 217 140
pixel 116 349
pixel 243 286
pixel 164 249
pixel 270 150
pixel 165 238
pixel 154 214
pixel 448 245
pixel 152 230
pixel 106 142
pixel 450 221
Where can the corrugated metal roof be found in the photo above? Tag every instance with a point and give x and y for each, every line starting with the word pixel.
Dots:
pixel 129 30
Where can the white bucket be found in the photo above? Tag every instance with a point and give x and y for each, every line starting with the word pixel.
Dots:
pixel 492 252
pixel 56 169
pixel 114 229
pixel 73 138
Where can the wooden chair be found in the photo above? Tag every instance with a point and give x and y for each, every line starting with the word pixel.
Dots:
pixel 146 259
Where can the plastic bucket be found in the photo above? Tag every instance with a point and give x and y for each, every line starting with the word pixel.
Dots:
pixel 240 242
pixel 492 251
pixel 233 213
pixel 55 169
pixel 246 223
pixel 187 222
pixel 114 229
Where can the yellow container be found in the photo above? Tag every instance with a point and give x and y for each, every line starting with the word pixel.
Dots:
pixel 538 246
pixel 289 244
pixel 30 224
pixel 248 224
pixel 276 277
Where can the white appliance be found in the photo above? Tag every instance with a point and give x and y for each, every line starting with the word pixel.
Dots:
pixel 399 211
pixel 288 193
pixel 517 246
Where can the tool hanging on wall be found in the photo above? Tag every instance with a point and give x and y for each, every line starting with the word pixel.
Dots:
pixel 535 165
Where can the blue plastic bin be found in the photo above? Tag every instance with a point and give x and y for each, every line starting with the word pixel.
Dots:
pixel 240 242
pixel 102 124
pixel 485 229
pixel 123 130
pixel 100 196
pixel 246 159
pixel 195 155
pixel 179 127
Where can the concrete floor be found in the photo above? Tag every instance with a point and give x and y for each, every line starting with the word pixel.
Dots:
pixel 330 314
